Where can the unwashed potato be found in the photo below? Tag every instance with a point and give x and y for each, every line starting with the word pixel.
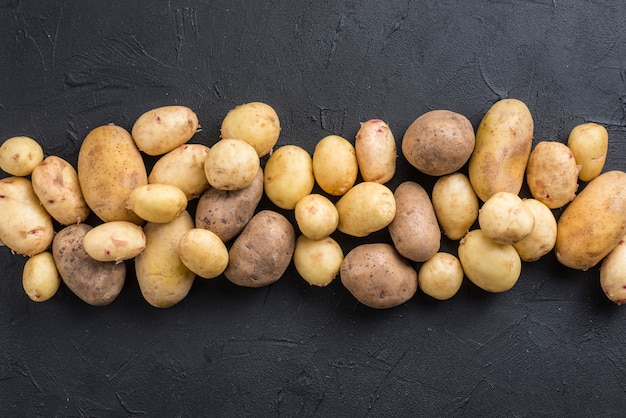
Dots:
pixel 365 208
pixel 441 276
pixel 158 203
pixel 114 241
pixel 505 219
pixel 288 176
pixel 95 282
pixel 256 123
pixel 263 251
pixel 19 155
pixel 375 149
pixel 414 229
pixel 503 143
pixel 317 261
pixel 589 142
pixel 377 276
pixel 162 129
pixel 613 274
pixel 183 167
pixel 455 204
pixel 316 216
pixel 40 277
pixel 335 166
pixel 203 252
pixel 542 238
pixel 26 227
pixel 232 164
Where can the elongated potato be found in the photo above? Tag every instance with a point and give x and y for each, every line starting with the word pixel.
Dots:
pixel 367 207
pixel 455 204
pixel 183 167
pixel 158 203
pixel 256 123
pixel 613 273
pixel 589 142
pixel 114 241
pixel 375 149
pixel 288 176
pixel 335 166
pixel 160 130
pixel 40 278
pixel 19 155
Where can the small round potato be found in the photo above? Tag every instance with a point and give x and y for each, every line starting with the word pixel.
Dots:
pixel 232 164
pixel 613 274
pixel 316 216
pixel 505 219
pixel 589 143
pixel 19 155
pixel 40 277
pixel 317 261
pixel 367 207
pixel 543 236
pixel 158 203
pixel 256 123
pixel 335 166
pixel 375 149
pixel 160 130
pixel 183 167
pixel 203 252
pixel 441 276
pixel 288 176
pixel 114 241
pixel 456 204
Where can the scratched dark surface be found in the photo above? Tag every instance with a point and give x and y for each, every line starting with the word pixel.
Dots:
pixel 551 346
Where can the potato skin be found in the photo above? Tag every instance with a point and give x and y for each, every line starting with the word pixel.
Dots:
pixel 367 207
pixel 183 167
pixel 203 252
pixel 231 164
pixel 613 274
pixel 257 123
pixel 441 276
pixel 19 155
pixel 543 236
pixel 263 251
pixel 288 176
pixel 335 166
pixel 375 149
pixel 377 276
pixel 162 129
pixel 40 277
pixel 589 142
pixel 157 202
pixel 114 241
pixel 455 204
pixel 316 216
pixel 505 219
pixel 317 261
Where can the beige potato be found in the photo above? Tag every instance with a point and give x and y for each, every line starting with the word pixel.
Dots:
pixel 377 276
pixel 163 278
pixel 505 219
pixel 203 252
pixel 441 276
pixel 40 277
pixel 316 216
pixel 455 204
pixel 110 167
pixel 263 251
pixel 552 174
pixel 19 155
pixel 158 203
pixel 114 241
pixel 365 208
pixel 317 261
pixel 503 143
pixel 96 283
pixel 613 274
pixel 375 149
pixel 589 143
pixel 491 266
pixel 183 167
pixel 439 142
pixel 26 227
pixel 593 223
pixel 542 238
pixel 414 229
pixel 335 166
pixel 160 130
pixel 232 164
pixel 256 123
pixel 288 176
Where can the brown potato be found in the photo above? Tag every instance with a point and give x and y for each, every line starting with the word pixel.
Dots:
pixel 375 149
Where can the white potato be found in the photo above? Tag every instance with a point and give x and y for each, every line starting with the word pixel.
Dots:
pixel 441 276
pixel 316 216
pixel 19 155
pixel 365 208
pixel 40 277
pixel 376 152
pixel 317 261
pixel 335 166
pixel 256 123
pixel 114 241
pixel 158 203
pixel 542 238
pixel 288 176
pixel 203 252
pixel 183 167
pixel 232 164
pixel 456 204
pixel 505 219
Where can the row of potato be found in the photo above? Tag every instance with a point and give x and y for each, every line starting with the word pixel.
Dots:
pixel 145 216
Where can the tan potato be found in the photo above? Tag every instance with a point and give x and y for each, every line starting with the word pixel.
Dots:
pixel 158 203
pixel 542 238
pixel 160 130
pixel 335 165
pixel 439 142
pixel 316 216
pixel 109 168
pixel 593 223
pixel 26 227
pixel 183 167
pixel 613 274
pixel 317 261
pixel 203 252
pixel 227 212
pixel 19 155
pixel 375 149
pixel 377 276
pixel 505 219
pixel 40 277
pixel 263 251
pixel 95 282
pixel 114 241
pixel 367 207
pixel 552 174
pixel 455 204
pixel 414 229
pixel 163 278
pixel 441 276
pixel 589 143
pixel 232 164
pixel 491 266
pixel 256 123
pixel 288 176
pixel 503 143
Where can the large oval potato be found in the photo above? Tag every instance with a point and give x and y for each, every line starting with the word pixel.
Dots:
pixel 503 143
pixel 288 176
pixel 109 168
pixel 613 274
pixel 589 142
pixel 256 123
pixel 367 207
pixel 19 155
pixel 375 149
pixel 160 130
pixel 183 167
pixel 455 204
pixel 335 166
pixel 158 203
pixel 114 241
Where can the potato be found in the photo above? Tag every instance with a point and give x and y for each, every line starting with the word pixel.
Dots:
pixel 377 276
pixel 441 276
pixel 26 227
pixel 263 251
pixel 505 219
pixel 95 282
pixel 109 168
pixel 367 207
pixel 414 230
pixel 613 274
pixel 203 252
pixel 316 216
pixel 335 166
pixel 491 266
pixel 158 203
pixel 19 155
pixel 40 277
pixel 114 241
pixel 542 238
pixel 288 176
pixel 160 130
pixel 503 143
pixel 593 223
pixel 375 149
pixel 455 204
pixel 439 142
pixel 256 123
pixel 552 174
pixel 163 278
pixel 226 212
pixel 317 261
pixel 183 167
pixel 232 164
pixel 589 143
